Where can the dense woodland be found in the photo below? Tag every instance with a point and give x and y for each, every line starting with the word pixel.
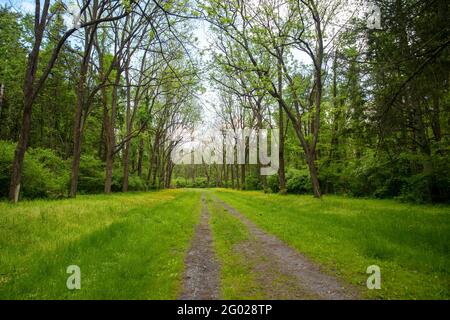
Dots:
pixel 91 105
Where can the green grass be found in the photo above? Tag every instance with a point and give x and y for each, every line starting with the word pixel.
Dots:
pixel 237 278
pixel 132 246
pixel 410 243
pixel 128 246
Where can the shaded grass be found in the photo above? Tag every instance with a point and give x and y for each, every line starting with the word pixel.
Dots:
pixel 237 279
pixel 128 246
pixel 410 243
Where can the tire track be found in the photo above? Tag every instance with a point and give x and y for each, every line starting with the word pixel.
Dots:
pixel 201 279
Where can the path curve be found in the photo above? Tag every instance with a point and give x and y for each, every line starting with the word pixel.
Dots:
pixel 314 282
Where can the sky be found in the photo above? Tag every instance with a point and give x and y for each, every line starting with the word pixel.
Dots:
pixel 26 6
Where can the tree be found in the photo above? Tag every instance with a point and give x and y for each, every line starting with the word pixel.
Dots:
pixel 33 85
pixel 266 29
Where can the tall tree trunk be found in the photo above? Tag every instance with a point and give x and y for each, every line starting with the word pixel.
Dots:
pixel 101 140
pixel 219 175
pixel 207 174
pixel 78 121
pixel 126 155
pixel 140 156
pixel 29 95
pixel 81 104
pixel 281 169
pixel 262 178
pixel 77 137
pixel 224 163
pixel 238 183
pixel 231 167
pixel 244 166
pixel 169 171
pixel 318 102
pixel 19 154
pixel 111 139
pixel 314 178
pixel 236 167
pixel 2 93
pixel 162 168
pixel 336 112
pixel 106 119
pixel 436 119
pixel 153 161
pixel 334 142
pixel 155 171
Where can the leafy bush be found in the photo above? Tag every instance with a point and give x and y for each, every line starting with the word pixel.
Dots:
pixel 136 183
pixel 6 158
pixel 252 182
pixel 57 173
pixel 117 179
pixel 431 185
pixel 272 183
pixel 44 173
pixel 91 177
pixel 370 175
pixel 376 175
pixel 181 183
pixel 298 181
pixel 201 183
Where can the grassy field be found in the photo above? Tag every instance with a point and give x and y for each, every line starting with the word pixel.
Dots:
pixel 132 246
pixel 128 246
pixel 410 243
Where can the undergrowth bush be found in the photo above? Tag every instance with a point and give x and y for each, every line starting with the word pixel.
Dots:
pixel 45 175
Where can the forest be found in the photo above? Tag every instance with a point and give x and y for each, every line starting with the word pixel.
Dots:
pixel 90 98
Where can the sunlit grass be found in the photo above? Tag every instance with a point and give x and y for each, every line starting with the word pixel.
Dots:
pixel 132 246
pixel 409 242
pixel 128 246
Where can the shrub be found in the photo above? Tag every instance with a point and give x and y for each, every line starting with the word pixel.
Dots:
pixel 272 183
pixel 6 158
pixel 117 179
pixel 181 183
pixel 298 181
pixel 56 173
pixel 44 174
pixel 252 182
pixel 91 177
pixel 431 185
pixel 201 183
pixel 136 183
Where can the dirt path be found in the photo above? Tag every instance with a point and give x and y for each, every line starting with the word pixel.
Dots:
pixel 202 274
pixel 283 272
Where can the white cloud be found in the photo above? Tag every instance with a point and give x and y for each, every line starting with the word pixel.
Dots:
pixel 28 6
